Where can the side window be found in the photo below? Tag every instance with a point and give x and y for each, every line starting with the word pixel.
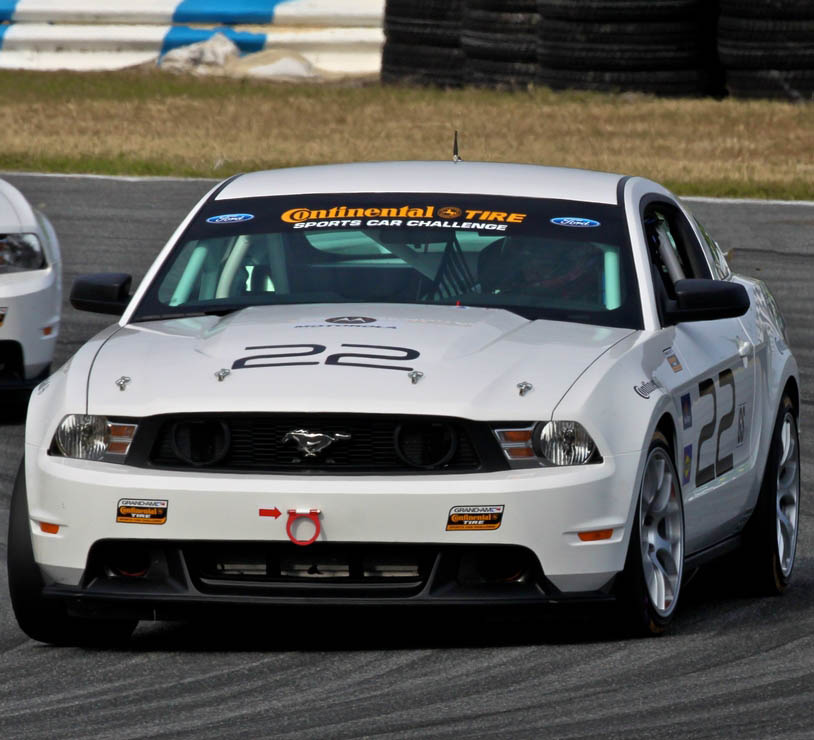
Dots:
pixel 674 250
pixel 720 268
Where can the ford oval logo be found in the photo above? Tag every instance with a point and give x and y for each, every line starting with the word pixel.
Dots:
pixel 580 223
pixel 230 218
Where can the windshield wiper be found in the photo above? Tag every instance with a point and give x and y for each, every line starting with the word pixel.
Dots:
pixel 189 314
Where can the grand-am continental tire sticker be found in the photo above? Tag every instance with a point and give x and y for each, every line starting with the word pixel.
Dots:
pixel 141 511
pixel 474 517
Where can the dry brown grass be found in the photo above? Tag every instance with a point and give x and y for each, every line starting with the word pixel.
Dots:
pixel 150 123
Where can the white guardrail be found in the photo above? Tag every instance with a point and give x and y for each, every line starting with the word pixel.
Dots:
pixel 331 37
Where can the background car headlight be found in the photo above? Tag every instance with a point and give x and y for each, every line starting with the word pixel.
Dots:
pixel 87 437
pixel 566 443
pixel 19 252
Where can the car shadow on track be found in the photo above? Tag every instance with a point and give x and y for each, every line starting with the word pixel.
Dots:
pixel 326 629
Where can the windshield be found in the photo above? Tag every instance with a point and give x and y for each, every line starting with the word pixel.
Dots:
pixel 554 259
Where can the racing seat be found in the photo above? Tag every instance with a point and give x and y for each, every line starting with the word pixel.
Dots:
pixel 492 268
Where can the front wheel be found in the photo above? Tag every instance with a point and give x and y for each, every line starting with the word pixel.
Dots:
pixel 44 619
pixel 771 536
pixel 651 581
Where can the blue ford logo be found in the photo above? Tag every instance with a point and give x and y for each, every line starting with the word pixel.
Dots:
pixel 580 223
pixel 230 218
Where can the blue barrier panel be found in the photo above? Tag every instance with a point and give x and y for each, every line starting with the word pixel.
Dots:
pixel 7 8
pixel 248 43
pixel 2 33
pixel 225 11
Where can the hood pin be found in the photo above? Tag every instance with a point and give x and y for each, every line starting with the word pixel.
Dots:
pixel 122 382
pixel 525 387
pixel 222 373
pixel 415 376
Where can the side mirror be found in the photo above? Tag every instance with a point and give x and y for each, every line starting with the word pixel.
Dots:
pixel 102 293
pixel 707 300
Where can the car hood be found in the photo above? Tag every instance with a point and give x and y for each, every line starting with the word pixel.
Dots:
pixel 346 358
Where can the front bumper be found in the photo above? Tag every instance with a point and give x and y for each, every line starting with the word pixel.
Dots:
pixel 544 510
pixel 29 326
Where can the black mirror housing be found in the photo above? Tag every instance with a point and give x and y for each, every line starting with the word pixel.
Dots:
pixel 106 292
pixel 707 300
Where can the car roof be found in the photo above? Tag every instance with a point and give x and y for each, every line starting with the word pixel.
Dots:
pixel 486 178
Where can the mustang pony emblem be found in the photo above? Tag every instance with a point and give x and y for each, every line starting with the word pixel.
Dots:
pixel 312 443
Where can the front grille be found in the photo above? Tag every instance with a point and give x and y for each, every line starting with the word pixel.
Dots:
pixel 333 571
pixel 339 443
pixel 11 360
pixel 320 567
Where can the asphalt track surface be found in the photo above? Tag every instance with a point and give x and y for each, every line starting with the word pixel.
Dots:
pixel 732 666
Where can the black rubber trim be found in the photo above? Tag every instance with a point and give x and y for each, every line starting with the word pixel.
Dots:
pixel 620 190
pixel 711 553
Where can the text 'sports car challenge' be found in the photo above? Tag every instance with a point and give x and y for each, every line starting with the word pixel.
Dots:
pixel 407 383
pixel 30 292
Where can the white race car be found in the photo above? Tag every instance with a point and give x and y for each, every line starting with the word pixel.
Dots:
pixel 410 383
pixel 30 292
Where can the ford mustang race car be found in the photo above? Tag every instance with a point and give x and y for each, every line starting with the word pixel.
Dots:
pixel 30 292
pixel 410 383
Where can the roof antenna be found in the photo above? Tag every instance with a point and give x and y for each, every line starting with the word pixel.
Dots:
pixel 455 157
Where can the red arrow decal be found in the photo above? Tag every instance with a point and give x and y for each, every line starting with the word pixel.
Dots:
pixel 275 512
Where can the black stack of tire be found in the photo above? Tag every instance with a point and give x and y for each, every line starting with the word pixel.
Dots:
pixel 423 42
pixel 665 47
pixel 767 48
pixel 499 40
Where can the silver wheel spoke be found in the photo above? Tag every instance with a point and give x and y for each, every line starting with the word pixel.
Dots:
pixel 660 532
pixel 787 494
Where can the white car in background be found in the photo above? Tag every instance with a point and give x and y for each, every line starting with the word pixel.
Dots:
pixel 411 383
pixel 30 291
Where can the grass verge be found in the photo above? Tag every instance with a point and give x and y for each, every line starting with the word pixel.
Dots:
pixel 145 122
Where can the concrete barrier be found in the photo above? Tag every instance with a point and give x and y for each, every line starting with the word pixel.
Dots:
pixel 342 37
pixel 229 12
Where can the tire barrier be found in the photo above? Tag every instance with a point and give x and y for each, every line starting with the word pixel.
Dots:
pixel 423 43
pixel 767 48
pixel 499 41
pixel 663 47
pixel 750 48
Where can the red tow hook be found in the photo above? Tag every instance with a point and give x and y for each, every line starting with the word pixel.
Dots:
pixel 293 515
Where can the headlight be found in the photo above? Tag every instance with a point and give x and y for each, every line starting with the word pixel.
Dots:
pixel 86 437
pixel 19 252
pixel 552 443
pixel 566 443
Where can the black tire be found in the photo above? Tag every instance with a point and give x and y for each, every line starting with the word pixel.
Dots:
pixel 618 10
pixel 768 570
pixel 502 6
pixel 422 31
pixel 642 614
pixel 501 36
pixel 766 54
pixel 422 65
pixel 776 9
pixel 669 83
pixel 13 406
pixel 499 74
pixel 645 55
pixel 680 31
pixel 444 10
pixel 47 620
pixel 504 23
pixel 778 84
pixel 760 29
